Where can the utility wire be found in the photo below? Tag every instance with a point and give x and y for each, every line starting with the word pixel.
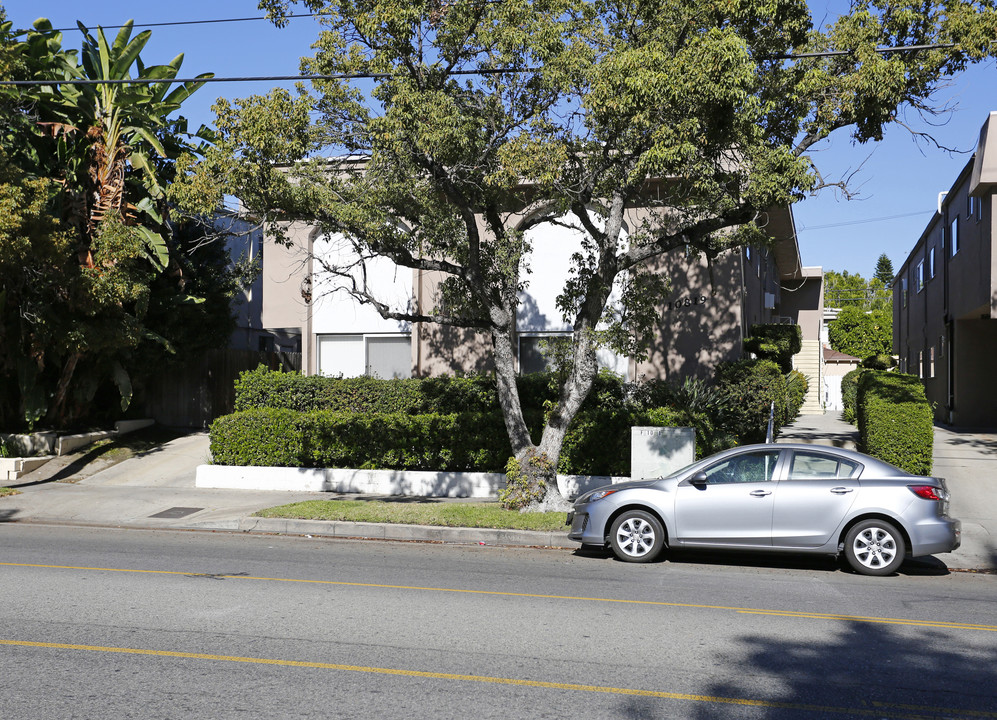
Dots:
pixel 262 78
pixel 377 76
pixel 862 222
pixel 192 22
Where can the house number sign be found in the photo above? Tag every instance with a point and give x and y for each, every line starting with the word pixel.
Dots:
pixel 686 302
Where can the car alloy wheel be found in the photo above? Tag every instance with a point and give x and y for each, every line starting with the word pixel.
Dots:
pixel 636 536
pixel 874 547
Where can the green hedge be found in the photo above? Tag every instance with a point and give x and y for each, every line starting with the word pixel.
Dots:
pixel 748 388
pixel 598 442
pixel 264 388
pixel 849 393
pixel 895 420
pixel 778 343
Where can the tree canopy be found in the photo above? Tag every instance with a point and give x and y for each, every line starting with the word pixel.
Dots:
pixel 862 334
pixel 844 289
pixel 483 119
pixel 95 285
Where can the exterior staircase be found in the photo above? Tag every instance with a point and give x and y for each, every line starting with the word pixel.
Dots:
pixel 810 362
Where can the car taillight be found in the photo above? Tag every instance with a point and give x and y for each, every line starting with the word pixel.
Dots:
pixel 928 492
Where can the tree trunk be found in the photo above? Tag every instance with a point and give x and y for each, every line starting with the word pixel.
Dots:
pixel 532 479
pixel 57 411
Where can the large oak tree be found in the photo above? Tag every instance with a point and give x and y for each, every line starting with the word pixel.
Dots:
pixel 485 118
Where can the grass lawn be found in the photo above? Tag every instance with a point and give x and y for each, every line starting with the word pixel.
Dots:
pixel 5 491
pixel 419 512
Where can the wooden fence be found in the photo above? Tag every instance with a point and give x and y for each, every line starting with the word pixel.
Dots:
pixel 195 394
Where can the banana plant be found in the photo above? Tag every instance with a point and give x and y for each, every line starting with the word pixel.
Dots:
pixel 105 131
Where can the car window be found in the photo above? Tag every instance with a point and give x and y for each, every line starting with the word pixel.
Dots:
pixel 813 466
pixel 757 466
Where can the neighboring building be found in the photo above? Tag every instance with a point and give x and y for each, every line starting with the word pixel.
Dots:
pixel 945 296
pixel 836 366
pixel 702 322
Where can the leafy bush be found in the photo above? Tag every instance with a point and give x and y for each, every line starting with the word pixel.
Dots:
pixel 796 392
pixel 895 420
pixel 413 396
pixel 778 343
pixel 878 362
pixel 862 334
pixel 265 436
pixel 748 389
pixel 598 442
pixel 849 391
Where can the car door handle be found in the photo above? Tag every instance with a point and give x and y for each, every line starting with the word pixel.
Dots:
pixel 841 490
pixel 760 493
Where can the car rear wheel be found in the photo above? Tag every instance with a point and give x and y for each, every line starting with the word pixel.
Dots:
pixel 874 547
pixel 636 536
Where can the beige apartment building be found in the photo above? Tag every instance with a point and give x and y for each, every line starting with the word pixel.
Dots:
pixel 945 296
pixel 702 321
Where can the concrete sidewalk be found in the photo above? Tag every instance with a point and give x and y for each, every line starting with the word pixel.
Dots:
pixel 155 490
pixel 968 462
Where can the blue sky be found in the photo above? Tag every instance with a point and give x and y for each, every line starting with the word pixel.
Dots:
pixel 898 180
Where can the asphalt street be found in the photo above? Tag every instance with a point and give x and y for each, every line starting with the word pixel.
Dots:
pixel 135 623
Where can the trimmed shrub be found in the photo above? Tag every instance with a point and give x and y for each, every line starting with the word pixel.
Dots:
pixel 878 362
pixel 265 436
pixel 849 392
pixel 778 343
pixel 796 392
pixel 895 420
pixel 748 388
pixel 598 442
pixel 413 396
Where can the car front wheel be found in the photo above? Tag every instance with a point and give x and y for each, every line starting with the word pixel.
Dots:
pixel 636 536
pixel 874 547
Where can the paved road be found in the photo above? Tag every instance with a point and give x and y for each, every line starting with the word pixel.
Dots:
pixel 132 623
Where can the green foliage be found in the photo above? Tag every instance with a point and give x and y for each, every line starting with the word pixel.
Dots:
pixel 265 436
pixel 844 290
pixel 895 420
pixel 87 311
pixel 849 394
pixel 878 362
pixel 600 101
pixel 778 343
pixel 861 334
pixel 796 392
pixel 884 270
pixel 525 486
pixel 748 389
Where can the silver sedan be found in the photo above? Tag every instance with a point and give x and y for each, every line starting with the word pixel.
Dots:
pixel 783 497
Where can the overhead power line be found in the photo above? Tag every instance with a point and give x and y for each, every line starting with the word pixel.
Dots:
pixel 367 76
pixel 193 22
pixel 261 78
pixel 862 222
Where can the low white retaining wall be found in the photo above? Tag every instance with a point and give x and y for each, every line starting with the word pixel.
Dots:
pixel 376 482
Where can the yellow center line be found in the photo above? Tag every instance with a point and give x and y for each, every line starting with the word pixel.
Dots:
pixel 536 596
pixel 878 709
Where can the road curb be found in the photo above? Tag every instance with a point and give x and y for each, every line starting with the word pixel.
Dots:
pixel 388 531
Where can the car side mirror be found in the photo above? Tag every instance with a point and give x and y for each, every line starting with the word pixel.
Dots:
pixel 699 479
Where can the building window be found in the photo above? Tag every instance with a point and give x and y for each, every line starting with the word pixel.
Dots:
pixel 930 265
pixel 536 352
pixel 954 236
pixel 919 276
pixel 903 291
pixel 383 356
pixel 920 363
pixel 979 209
pixel 931 361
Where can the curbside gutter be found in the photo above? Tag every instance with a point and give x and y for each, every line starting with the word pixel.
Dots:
pixel 390 531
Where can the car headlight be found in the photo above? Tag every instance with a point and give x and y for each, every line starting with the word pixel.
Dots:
pixel 598 495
